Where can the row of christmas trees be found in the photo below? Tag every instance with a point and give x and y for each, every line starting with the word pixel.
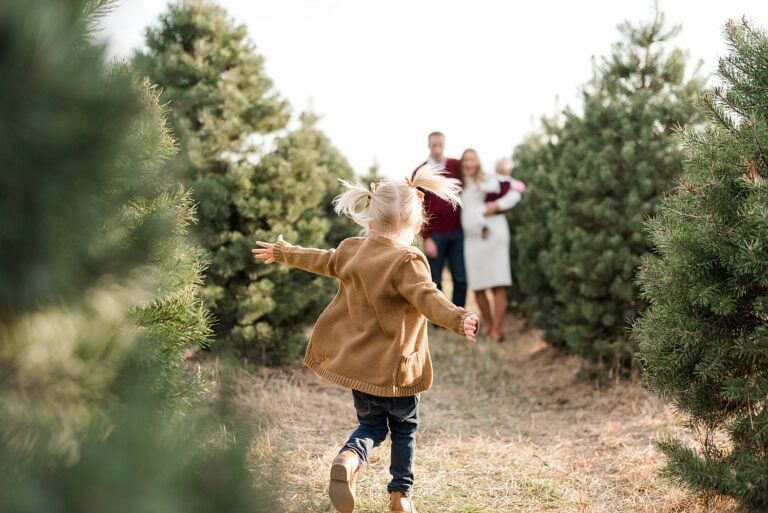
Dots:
pixel 101 287
pixel 102 291
pixel 643 243
pixel 251 177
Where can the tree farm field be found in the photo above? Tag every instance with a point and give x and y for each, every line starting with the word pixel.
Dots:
pixel 506 428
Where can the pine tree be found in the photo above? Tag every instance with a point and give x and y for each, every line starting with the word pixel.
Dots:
pixel 704 339
pixel 32 278
pixel 174 318
pixel 63 122
pixel 304 156
pixel 612 164
pixel 531 295
pixel 103 288
pixel 220 100
pixel 312 155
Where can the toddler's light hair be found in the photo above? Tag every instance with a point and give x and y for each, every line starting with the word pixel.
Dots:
pixel 504 166
pixel 395 207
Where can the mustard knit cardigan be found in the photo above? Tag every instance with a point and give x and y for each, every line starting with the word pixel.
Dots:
pixel 373 336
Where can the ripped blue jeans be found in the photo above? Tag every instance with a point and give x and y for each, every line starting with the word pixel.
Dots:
pixel 398 416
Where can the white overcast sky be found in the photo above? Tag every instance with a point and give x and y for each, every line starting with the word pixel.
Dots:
pixel 384 74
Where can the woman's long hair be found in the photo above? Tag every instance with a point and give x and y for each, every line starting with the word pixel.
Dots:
pixel 479 175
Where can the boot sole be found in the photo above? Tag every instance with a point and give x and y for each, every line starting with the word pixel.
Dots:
pixel 340 490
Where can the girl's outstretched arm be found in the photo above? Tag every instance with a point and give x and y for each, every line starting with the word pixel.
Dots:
pixel 416 286
pixel 318 261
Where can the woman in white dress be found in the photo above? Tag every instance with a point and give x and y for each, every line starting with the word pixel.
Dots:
pixel 486 241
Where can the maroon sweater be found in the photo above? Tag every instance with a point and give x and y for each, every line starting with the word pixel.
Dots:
pixel 441 216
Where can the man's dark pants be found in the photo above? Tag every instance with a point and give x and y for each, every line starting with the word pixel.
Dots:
pixel 450 248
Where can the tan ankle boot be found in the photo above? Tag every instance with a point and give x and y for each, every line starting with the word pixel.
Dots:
pixel 342 487
pixel 400 503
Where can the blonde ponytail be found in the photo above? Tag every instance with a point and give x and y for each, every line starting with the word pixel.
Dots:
pixel 346 203
pixel 430 178
pixel 395 208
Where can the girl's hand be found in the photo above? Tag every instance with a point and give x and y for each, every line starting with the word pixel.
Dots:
pixel 265 252
pixel 471 323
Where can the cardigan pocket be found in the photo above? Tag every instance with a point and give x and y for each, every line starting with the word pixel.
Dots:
pixel 410 369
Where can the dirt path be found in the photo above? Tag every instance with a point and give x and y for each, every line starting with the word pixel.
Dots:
pixel 506 428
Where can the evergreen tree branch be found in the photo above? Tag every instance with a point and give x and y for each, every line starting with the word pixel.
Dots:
pixel 761 151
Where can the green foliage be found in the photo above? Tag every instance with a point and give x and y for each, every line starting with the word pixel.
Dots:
pixel 221 100
pixel 704 339
pixel 531 294
pixel 301 213
pixel 99 295
pixel 149 461
pixel 603 171
pixel 172 318
pixel 35 214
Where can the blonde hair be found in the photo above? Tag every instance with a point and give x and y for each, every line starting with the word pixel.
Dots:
pixel 393 207
pixel 479 174
pixel 504 166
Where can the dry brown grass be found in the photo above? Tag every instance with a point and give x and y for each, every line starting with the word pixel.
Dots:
pixel 506 428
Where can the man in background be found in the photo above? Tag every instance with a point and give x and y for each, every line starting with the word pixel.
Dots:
pixel 443 238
